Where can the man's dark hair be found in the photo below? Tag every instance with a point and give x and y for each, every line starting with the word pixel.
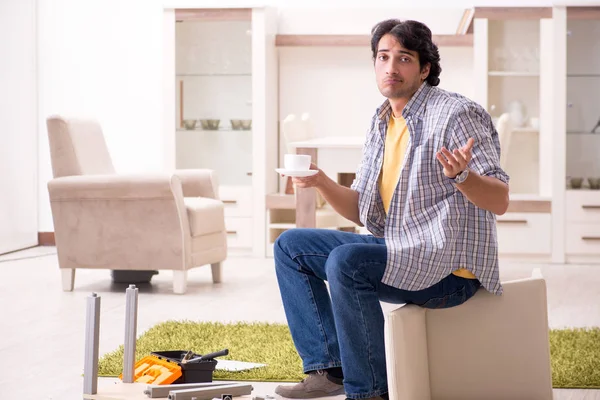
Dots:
pixel 412 35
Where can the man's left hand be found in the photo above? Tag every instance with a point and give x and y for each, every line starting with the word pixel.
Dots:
pixel 456 161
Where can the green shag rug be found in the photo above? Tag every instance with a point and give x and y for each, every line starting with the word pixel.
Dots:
pixel 575 353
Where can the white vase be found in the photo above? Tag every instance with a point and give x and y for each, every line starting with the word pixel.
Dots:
pixel 516 110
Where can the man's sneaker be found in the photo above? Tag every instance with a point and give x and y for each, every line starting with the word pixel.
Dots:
pixel 317 384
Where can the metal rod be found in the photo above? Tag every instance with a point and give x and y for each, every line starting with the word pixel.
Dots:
pixel 131 310
pixel 209 393
pixel 158 391
pixel 92 341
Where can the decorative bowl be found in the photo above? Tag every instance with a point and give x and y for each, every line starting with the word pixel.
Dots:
pixel 246 124
pixel 210 124
pixel 236 124
pixel 594 183
pixel 189 124
pixel 241 124
pixel 576 183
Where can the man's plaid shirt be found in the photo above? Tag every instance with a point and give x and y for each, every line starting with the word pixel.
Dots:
pixel 432 229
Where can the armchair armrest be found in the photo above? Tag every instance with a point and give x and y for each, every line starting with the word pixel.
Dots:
pixel 123 221
pixel 406 353
pixel 113 187
pixel 198 182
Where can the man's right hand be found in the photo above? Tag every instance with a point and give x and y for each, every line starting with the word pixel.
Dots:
pixel 317 180
pixel 343 199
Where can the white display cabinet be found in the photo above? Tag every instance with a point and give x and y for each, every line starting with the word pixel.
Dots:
pixel 582 171
pixel 583 99
pixel 225 92
pixel 511 48
pixel 214 76
pixel 511 54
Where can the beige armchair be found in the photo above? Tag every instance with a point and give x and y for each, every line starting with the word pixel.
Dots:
pixel 491 347
pixel 137 222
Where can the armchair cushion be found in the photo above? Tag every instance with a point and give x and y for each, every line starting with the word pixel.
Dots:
pixel 205 215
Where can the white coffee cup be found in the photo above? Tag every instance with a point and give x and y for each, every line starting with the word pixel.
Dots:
pixel 296 162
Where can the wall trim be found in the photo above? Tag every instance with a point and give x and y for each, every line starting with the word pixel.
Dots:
pixel 292 40
pixel 576 12
pixel 504 13
pixel 46 239
pixel 213 14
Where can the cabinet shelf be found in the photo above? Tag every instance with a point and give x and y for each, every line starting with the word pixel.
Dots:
pixel 514 73
pixel 525 129
pixel 214 130
pixel 215 74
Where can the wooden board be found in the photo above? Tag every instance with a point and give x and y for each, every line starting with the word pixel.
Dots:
pixel 502 13
pixel 213 14
pixel 361 40
pixel 583 13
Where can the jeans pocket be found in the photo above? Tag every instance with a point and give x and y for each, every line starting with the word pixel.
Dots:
pixel 447 301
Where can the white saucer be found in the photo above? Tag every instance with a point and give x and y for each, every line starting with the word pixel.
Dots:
pixel 301 173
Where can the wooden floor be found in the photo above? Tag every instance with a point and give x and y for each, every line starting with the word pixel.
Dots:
pixel 42 328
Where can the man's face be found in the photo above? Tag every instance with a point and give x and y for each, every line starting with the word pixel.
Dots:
pixel 397 69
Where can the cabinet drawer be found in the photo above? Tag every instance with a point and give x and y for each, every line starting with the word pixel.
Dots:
pixel 583 206
pixel 582 238
pixel 524 233
pixel 239 232
pixel 237 201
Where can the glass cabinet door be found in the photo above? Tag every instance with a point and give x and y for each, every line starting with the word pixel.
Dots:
pixel 583 103
pixel 514 98
pixel 214 98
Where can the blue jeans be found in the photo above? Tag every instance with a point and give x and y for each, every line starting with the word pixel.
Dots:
pixel 345 327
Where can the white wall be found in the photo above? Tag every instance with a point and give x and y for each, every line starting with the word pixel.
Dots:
pixel 102 58
pixel 343 81
pixel 347 21
pixel 18 122
pixel 336 86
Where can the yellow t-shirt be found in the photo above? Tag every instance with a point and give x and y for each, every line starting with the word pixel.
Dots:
pixel 396 141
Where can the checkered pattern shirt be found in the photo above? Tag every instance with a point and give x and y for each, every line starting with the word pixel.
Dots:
pixel 431 228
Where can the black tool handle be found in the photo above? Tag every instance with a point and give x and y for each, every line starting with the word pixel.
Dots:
pixel 216 354
pixel 209 356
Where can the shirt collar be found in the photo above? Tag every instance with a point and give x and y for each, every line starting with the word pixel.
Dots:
pixel 415 106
